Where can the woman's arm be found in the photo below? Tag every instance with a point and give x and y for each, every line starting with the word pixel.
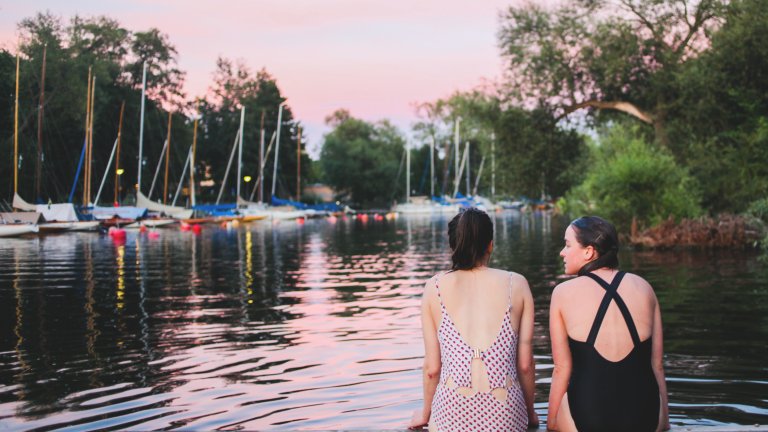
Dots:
pixel 526 370
pixel 432 363
pixel 561 357
pixel 657 362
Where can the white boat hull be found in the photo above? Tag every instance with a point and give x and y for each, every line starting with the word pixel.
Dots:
pixel 14 230
pixel 69 226
pixel 151 223
pixel 426 209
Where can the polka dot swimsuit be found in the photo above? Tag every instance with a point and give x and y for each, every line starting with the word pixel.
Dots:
pixel 452 411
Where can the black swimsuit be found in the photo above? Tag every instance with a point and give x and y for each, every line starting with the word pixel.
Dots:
pixel 613 396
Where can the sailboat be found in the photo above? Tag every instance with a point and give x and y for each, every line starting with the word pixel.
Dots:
pixel 14 224
pixel 279 209
pixel 174 212
pixel 241 210
pixel 57 217
pixel 422 205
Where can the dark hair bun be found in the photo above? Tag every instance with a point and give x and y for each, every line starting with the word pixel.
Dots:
pixel 474 233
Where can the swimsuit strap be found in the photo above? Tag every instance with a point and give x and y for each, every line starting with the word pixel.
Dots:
pixel 437 288
pixel 509 294
pixel 612 294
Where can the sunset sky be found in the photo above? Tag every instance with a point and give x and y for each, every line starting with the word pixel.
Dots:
pixel 376 58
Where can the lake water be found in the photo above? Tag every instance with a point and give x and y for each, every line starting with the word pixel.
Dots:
pixel 316 326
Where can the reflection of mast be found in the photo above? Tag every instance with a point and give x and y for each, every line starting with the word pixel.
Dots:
pixel 92 333
pixel 17 329
pixel 120 294
pixel 241 279
pixel 249 264
pixel 262 262
pixel 144 317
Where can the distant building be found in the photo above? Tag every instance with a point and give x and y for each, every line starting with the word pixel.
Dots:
pixel 320 192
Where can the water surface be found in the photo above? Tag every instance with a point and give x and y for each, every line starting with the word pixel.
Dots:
pixel 316 326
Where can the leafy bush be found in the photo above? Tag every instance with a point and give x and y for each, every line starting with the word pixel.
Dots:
pixel 759 209
pixel 630 178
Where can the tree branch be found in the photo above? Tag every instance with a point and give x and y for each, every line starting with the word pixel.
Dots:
pixel 703 13
pixel 622 106
pixel 643 20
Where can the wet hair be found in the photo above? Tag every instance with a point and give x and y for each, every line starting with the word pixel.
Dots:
pixel 452 229
pixel 474 233
pixel 601 235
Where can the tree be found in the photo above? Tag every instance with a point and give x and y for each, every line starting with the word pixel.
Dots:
pixel 619 55
pixel 630 179
pixel 360 160
pixel 103 46
pixel 164 78
pixel 719 122
pixel 234 86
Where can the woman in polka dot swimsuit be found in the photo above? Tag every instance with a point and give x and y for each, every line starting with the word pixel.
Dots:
pixel 478 330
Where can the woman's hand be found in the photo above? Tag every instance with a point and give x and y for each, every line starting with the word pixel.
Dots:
pixel 551 424
pixel 418 420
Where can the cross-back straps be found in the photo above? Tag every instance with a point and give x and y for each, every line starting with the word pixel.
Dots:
pixel 611 294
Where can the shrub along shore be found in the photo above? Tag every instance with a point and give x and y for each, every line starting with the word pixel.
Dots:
pixel 724 231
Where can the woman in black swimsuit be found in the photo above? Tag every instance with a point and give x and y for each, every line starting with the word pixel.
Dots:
pixel 607 347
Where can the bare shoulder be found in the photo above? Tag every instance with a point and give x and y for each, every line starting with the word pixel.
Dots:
pixel 565 289
pixel 430 286
pixel 518 284
pixel 638 282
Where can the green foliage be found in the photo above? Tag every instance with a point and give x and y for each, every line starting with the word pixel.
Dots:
pixel 719 124
pixel 593 51
pixel 116 56
pixel 759 209
pixel 112 53
pixel 235 86
pixel 534 156
pixel 629 178
pixel 360 160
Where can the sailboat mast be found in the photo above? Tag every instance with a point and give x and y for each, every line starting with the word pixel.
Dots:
pixel 298 167
pixel 90 140
pixel 277 147
pixel 456 153
pixel 38 166
pixel 432 167
pixel 261 160
pixel 240 152
pixel 117 159
pixel 16 133
pixel 141 127
pixel 167 159
pixel 87 125
pixel 407 173
pixel 493 166
pixel 192 164
pixel 469 192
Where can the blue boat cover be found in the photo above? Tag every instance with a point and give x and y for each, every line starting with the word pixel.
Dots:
pixel 330 207
pixel 123 212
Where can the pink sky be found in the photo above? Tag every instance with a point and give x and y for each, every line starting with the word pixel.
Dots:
pixel 376 58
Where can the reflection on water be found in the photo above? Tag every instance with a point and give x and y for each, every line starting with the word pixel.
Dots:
pixel 317 326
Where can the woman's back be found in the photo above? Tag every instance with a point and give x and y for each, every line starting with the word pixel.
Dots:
pixel 477 302
pixel 612 386
pixel 580 299
pixel 477 324
pixel 605 330
pixel 478 314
